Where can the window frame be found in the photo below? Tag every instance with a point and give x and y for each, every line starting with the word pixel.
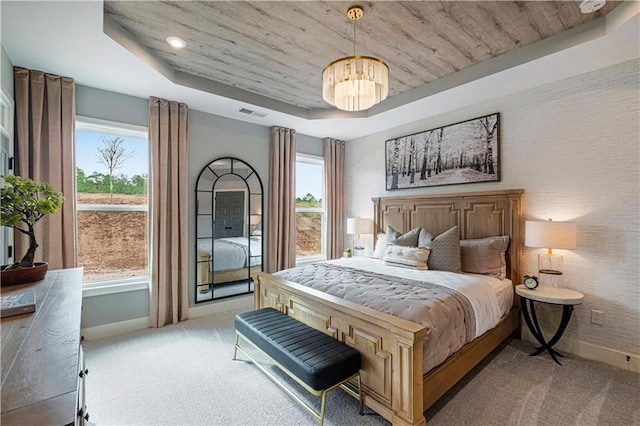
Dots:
pixel 319 160
pixel 126 130
pixel 7 107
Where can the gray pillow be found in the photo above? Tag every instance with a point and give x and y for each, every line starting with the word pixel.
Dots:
pixel 410 239
pixel 445 251
pixel 392 234
pixel 485 256
pixel 424 238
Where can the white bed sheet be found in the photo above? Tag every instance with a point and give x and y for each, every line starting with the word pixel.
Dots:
pixel 234 253
pixel 489 296
pixel 503 290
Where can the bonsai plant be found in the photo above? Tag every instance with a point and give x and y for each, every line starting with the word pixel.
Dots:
pixel 23 203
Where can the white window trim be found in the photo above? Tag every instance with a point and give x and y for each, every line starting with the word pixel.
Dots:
pixel 113 207
pixel 115 286
pixel 6 127
pixel 6 121
pixel 98 125
pixel 126 130
pixel 314 159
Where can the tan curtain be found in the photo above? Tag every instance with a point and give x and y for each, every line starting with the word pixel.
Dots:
pixel 168 212
pixel 45 138
pixel 334 195
pixel 282 200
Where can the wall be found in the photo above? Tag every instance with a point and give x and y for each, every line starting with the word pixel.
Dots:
pixel 573 146
pixel 212 137
pixel 105 105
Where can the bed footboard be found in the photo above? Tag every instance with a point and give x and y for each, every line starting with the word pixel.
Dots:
pixel 391 347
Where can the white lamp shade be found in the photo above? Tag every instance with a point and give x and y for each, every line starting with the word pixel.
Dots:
pixel 359 225
pixel 255 219
pixel 549 234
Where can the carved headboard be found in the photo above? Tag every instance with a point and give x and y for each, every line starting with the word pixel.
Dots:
pixel 477 215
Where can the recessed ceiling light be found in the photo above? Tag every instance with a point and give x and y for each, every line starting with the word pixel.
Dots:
pixel 176 42
pixel 589 6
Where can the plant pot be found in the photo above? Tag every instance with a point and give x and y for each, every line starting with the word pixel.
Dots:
pixel 21 276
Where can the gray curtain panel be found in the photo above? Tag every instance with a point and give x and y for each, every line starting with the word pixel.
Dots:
pixel 45 137
pixel 281 240
pixel 168 302
pixel 334 194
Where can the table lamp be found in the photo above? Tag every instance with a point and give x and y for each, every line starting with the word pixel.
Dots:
pixel 550 235
pixel 358 226
pixel 254 220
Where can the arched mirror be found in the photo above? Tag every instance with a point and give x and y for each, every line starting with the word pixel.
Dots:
pixel 229 239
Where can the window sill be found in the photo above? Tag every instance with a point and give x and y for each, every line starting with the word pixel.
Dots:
pixel 309 260
pixel 100 289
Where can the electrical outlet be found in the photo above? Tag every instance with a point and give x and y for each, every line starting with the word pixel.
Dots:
pixel 597 317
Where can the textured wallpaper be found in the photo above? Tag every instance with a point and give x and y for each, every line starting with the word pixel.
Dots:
pixel 573 146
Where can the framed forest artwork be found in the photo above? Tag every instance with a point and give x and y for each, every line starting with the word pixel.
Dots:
pixel 465 152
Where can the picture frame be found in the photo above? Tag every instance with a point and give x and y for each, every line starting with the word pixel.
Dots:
pixel 459 153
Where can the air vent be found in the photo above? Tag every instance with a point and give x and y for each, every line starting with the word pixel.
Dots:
pixel 250 112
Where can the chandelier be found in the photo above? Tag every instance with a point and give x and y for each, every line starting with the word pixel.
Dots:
pixel 355 83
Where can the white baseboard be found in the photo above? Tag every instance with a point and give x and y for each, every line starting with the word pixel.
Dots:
pixel 626 361
pixel 115 328
pixel 121 327
pixel 224 305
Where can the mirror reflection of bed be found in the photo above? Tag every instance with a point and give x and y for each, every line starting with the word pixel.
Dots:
pixel 228 229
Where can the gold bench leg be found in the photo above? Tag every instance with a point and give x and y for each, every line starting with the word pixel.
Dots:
pixel 322 406
pixel 235 348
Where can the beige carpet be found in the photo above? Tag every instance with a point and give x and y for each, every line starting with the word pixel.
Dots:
pixel 183 375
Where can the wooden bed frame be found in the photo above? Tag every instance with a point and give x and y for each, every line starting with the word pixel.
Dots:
pixel 203 274
pixel 391 347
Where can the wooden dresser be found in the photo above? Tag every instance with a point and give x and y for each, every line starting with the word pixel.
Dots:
pixel 43 368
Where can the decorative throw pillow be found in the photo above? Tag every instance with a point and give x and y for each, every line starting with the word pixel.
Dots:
pixel 424 238
pixel 445 251
pixel 485 256
pixel 392 234
pixel 410 239
pixel 408 257
pixel 381 246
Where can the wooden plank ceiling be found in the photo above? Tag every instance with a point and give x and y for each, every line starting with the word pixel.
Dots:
pixel 278 49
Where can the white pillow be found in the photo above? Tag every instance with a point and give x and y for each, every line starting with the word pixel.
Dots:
pixel 381 246
pixel 412 257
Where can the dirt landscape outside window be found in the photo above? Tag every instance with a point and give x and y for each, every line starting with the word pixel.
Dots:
pixel 112 245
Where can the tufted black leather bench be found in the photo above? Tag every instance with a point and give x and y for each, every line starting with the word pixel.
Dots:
pixel 315 360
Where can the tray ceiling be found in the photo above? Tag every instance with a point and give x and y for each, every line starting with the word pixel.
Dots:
pixel 278 49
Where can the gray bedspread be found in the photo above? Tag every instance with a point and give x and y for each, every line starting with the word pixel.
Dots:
pixel 446 313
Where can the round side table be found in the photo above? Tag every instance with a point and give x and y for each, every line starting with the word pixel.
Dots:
pixel 554 296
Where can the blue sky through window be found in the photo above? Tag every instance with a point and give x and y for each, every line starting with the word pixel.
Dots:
pixel 309 179
pixel 87 144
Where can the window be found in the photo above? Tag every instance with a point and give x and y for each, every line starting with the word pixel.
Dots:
pixel 6 152
pixel 112 169
pixel 310 215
